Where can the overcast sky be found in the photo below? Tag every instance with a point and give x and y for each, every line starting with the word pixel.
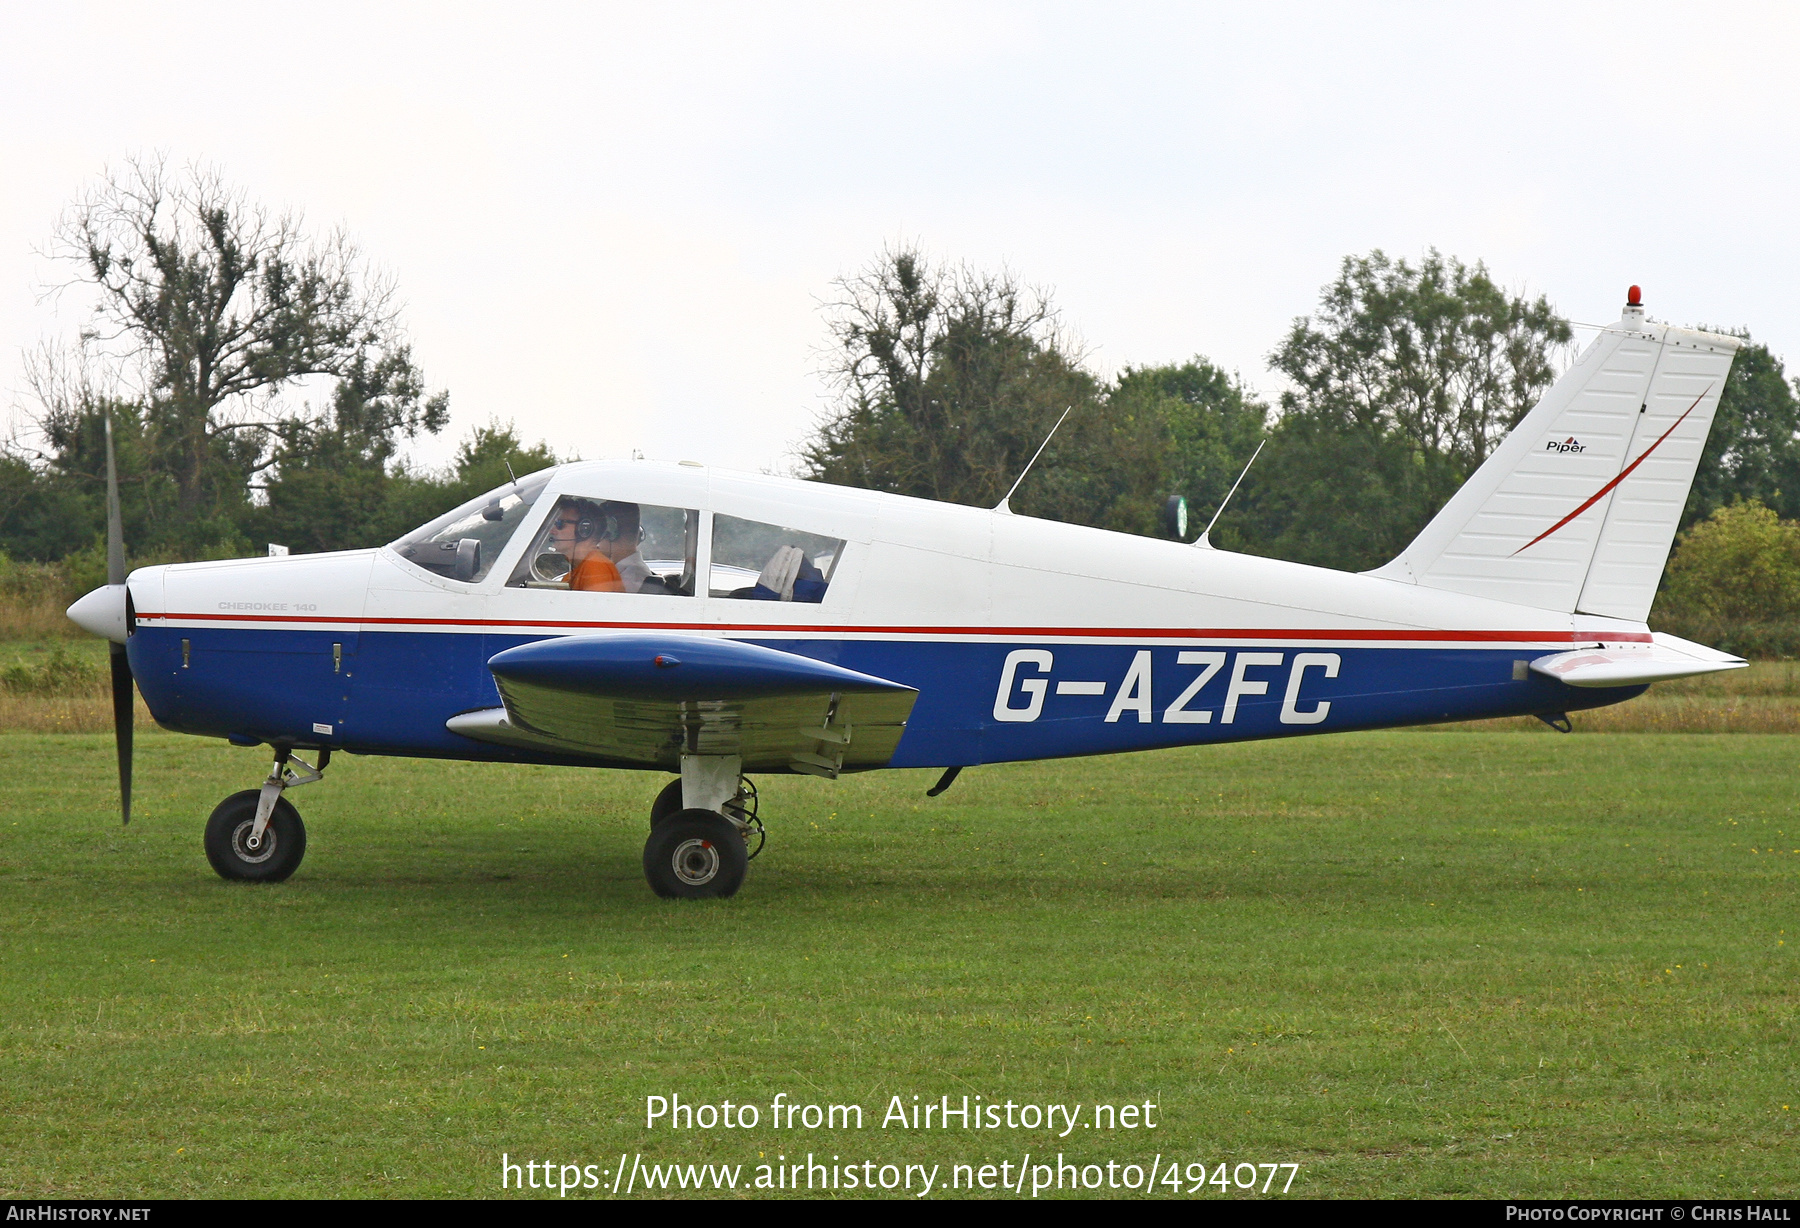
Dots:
pixel 616 225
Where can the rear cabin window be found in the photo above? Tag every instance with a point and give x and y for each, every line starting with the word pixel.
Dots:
pixel 591 544
pixel 754 561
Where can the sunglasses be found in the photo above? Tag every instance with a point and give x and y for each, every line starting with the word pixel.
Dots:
pixel 559 524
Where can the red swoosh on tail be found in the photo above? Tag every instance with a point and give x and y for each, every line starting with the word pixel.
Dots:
pixel 1601 493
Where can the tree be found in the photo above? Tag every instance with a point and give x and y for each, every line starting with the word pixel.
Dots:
pixel 1742 563
pixel 1753 452
pixel 70 473
pixel 1439 354
pixel 1179 429
pixel 1402 383
pixel 948 381
pixel 207 308
pixel 40 518
pixel 331 485
pixel 1343 498
pixel 1734 581
pixel 341 490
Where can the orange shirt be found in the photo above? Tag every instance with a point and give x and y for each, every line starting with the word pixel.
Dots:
pixel 596 574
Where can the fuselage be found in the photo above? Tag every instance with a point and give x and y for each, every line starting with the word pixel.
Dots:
pixel 1025 638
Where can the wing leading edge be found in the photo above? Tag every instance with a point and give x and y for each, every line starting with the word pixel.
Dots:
pixel 650 699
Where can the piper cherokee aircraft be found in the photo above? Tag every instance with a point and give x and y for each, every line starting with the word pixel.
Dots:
pixel 682 619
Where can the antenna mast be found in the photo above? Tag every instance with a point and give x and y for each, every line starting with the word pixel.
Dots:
pixel 1005 505
pixel 1203 541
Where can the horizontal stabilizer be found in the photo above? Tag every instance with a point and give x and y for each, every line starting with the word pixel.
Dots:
pixel 1635 664
pixel 648 700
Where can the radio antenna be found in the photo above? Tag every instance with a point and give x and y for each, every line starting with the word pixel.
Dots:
pixel 1005 505
pixel 1203 541
pixel 510 473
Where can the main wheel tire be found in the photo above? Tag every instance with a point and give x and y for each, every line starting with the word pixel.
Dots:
pixel 667 803
pixel 695 855
pixel 228 840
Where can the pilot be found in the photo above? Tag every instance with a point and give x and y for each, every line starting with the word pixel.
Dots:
pixel 600 540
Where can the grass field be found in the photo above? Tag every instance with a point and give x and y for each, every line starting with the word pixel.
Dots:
pixel 1423 963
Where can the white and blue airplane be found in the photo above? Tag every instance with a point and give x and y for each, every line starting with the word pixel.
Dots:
pixel 682 619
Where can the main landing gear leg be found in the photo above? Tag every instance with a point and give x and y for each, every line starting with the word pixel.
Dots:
pixel 256 835
pixel 700 851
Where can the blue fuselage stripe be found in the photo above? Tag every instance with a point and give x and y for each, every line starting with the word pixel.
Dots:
pixel 390 692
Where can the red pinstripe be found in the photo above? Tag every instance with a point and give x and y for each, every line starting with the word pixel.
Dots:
pixel 1601 493
pixel 1191 633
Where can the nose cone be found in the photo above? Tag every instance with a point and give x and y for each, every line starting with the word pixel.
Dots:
pixel 102 613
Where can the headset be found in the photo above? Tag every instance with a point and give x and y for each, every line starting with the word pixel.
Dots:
pixel 611 524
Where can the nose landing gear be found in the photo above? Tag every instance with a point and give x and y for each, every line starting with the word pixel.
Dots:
pixel 256 836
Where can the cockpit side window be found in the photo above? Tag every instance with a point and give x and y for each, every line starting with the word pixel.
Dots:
pixel 766 562
pixel 592 544
pixel 464 544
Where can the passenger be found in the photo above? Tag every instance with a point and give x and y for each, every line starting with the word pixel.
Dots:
pixel 600 540
pixel 788 576
pixel 622 534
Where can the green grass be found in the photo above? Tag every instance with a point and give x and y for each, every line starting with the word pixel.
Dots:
pixel 1413 963
pixel 35 653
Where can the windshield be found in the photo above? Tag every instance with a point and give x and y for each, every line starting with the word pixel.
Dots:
pixel 464 544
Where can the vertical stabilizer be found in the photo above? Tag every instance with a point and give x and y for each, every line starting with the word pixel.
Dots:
pixel 1575 511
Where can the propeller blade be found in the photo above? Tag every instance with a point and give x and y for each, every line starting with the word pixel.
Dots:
pixel 121 664
pixel 122 721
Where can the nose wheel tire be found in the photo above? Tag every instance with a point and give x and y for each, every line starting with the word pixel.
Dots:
pixel 695 855
pixel 274 857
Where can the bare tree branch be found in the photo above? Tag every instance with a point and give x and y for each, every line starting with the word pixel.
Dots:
pixel 209 306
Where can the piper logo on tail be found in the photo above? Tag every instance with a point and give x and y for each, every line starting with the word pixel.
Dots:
pixel 1571 444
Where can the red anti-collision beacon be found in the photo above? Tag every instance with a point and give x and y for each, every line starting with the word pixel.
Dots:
pixel 1634 297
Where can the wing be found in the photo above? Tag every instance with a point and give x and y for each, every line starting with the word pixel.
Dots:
pixel 648 699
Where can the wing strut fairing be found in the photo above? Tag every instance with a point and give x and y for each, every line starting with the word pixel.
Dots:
pixel 649 699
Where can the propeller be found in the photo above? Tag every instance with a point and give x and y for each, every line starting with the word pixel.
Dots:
pixel 121 664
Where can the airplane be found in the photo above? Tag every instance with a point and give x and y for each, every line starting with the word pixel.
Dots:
pixel 678 618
